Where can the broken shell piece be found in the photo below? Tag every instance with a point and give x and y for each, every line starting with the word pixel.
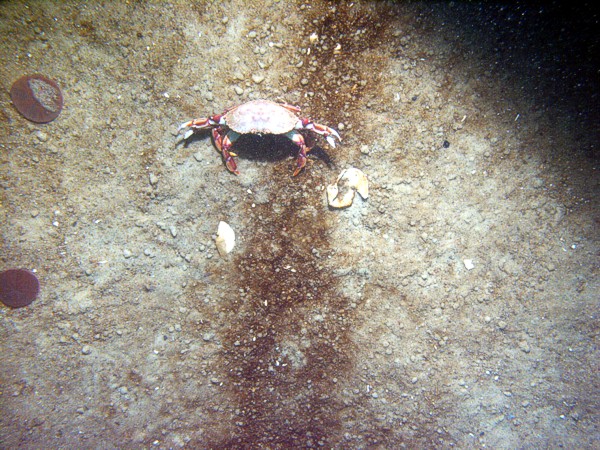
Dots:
pixel 357 180
pixel 339 199
pixel 341 194
pixel 225 239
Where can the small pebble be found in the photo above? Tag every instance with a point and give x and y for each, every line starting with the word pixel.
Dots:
pixel 524 346
pixel 173 231
pixel 238 90
pixel 86 350
pixel 257 78
pixel 304 81
pixel 127 254
pixel 153 179
pixel 469 264
pixel 42 137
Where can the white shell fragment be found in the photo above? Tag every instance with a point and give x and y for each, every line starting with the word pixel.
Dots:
pixel 225 239
pixel 341 194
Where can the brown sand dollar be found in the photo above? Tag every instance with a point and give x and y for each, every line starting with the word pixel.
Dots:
pixel 37 98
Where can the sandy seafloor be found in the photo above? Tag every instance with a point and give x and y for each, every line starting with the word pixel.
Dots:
pixel 358 328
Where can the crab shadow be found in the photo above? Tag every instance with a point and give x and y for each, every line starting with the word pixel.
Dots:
pixel 267 148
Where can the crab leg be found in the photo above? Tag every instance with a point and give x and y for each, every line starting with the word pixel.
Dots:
pixel 291 108
pixel 223 142
pixel 323 130
pixel 298 139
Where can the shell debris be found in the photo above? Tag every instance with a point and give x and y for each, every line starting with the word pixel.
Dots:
pixel 225 240
pixel 341 193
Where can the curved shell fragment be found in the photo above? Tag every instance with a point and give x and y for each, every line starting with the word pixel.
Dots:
pixel 351 180
pixel 225 239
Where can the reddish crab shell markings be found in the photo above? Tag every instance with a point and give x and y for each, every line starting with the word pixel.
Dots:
pixel 259 117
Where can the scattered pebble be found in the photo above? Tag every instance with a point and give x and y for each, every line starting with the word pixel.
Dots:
pixel 86 350
pixel 207 337
pixel 153 179
pixel 524 346
pixel 469 264
pixel 41 136
pixel 257 78
pixel 238 90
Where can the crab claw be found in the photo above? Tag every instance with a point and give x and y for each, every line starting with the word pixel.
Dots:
pixel 331 141
pixel 184 125
pixel 323 130
pixel 335 133
pixel 195 125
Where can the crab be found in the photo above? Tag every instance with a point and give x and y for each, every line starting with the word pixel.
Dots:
pixel 260 117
